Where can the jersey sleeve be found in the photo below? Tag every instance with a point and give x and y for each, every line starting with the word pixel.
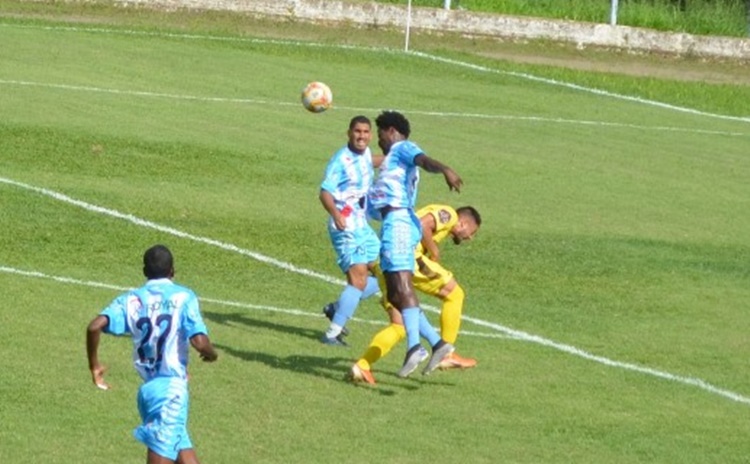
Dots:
pixel 116 312
pixel 332 176
pixel 410 150
pixel 192 321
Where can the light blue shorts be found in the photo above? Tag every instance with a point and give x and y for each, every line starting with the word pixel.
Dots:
pixel 163 405
pixel 359 246
pixel 400 234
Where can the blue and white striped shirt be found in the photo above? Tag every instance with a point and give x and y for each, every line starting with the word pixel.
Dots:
pixel 348 177
pixel 396 185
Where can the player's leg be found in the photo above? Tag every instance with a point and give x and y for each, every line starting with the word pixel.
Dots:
pixel 400 233
pixel 357 251
pixel 380 345
pixel 356 277
pixel 152 457
pixel 187 456
pixel 433 279
pixel 401 294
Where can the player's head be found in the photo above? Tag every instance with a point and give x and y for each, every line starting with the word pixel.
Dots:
pixel 359 133
pixel 468 224
pixel 392 127
pixel 158 263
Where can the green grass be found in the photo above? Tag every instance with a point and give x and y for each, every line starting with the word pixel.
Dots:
pixel 611 228
pixel 703 17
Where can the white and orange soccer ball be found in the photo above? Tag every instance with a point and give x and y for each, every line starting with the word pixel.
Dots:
pixel 317 97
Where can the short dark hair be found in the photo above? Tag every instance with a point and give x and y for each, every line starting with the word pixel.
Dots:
pixel 398 121
pixel 158 262
pixel 470 211
pixel 359 120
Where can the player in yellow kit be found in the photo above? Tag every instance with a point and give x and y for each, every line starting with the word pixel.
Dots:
pixel 430 277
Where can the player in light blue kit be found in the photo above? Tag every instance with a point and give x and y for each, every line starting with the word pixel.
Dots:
pixel 392 199
pixel 162 318
pixel 343 192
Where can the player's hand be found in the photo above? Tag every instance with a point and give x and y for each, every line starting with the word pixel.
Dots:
pixel 453 180
pixel 340 222
pixel 97 375
pixel 209 355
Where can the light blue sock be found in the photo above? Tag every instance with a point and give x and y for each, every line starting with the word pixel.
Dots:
pixel 371 288
pixel 411 324
pixel 427 331
pixel 348 301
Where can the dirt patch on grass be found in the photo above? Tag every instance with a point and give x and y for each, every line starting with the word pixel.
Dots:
pixel 619 62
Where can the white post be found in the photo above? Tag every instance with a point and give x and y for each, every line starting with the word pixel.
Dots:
pixel 613 13
pixel 408 26
pixel 447 4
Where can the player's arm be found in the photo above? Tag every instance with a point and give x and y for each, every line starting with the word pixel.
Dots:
pixel 93 335
pixel 204 347
pixel 330 206
pixel 429 225
pixel 432 165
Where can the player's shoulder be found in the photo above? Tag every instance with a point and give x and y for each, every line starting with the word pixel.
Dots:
pixel 184 289
pixel 443 213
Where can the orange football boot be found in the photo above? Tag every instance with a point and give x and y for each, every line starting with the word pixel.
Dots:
pixel 362 375
pixel 454 361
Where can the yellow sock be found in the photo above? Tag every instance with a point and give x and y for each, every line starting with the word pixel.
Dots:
pixel 381 344
pixel 450 315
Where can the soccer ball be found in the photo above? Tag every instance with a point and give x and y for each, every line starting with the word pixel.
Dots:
pixel 317 97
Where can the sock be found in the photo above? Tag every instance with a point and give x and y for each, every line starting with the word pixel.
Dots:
pixel 411 325
pixel 346 306
pixel 427 331
pixel 371 288
pixel 348 301
pixel 381 345
pixel 450 315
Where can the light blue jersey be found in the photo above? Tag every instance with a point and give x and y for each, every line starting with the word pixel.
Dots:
pixel 348 178
pixel 396 185
pixel 161 316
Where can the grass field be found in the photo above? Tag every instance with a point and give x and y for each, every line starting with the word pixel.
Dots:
pixel 607 289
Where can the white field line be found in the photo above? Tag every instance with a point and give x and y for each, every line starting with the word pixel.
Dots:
pixel 506 117
pixel 231 304
pixel 524 336
pixel 294 43
pixel 569 85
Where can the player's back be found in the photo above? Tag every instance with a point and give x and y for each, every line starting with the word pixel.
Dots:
pixel 162 316
pixel 445 218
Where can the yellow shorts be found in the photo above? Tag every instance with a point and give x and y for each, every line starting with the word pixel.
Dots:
pixel 429 276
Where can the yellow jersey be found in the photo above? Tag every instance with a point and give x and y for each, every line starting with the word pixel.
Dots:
pixel 445 218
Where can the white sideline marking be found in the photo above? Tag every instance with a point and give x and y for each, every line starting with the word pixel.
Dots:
pixel 140 93
pixel 232 304
pixel 524 336
pixel 570 85
pixel 450 61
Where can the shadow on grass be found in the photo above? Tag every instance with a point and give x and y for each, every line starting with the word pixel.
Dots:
pixel 316 366
pixel 242 318
pixel 332 368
